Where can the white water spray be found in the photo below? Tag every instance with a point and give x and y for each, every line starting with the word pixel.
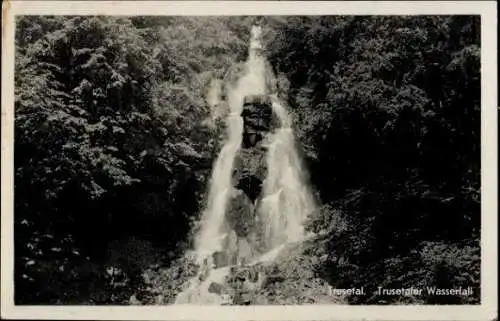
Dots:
pixel 287 200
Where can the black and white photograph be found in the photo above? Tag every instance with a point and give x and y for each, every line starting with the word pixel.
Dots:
pixel 245 159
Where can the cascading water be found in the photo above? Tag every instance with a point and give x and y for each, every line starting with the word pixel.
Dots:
pixel 210 237
pixel 285 200
pixel 252 82
pixel 212 233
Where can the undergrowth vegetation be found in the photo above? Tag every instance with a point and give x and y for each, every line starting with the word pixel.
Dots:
pixel 388 111
pixel 112 153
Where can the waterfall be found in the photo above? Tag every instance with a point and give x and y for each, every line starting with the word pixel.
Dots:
pixel 285 200
pixel 210 237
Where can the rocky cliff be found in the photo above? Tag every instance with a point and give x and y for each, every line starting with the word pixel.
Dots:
pixel 248 176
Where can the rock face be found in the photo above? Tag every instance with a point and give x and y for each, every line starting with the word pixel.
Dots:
pixel 220 259
pixel 248 176
pixel 240 213
pixel 289 279
pixel 257 116
pixel 250 163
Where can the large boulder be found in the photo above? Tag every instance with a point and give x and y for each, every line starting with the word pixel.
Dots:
pixel 215 288
pixel 250 163
pixel 250 171
pixel 257 118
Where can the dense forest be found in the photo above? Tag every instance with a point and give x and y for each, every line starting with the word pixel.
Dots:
pixel 115 140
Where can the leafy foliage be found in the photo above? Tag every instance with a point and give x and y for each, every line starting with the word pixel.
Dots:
pixel 388 109
pixel 110 143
